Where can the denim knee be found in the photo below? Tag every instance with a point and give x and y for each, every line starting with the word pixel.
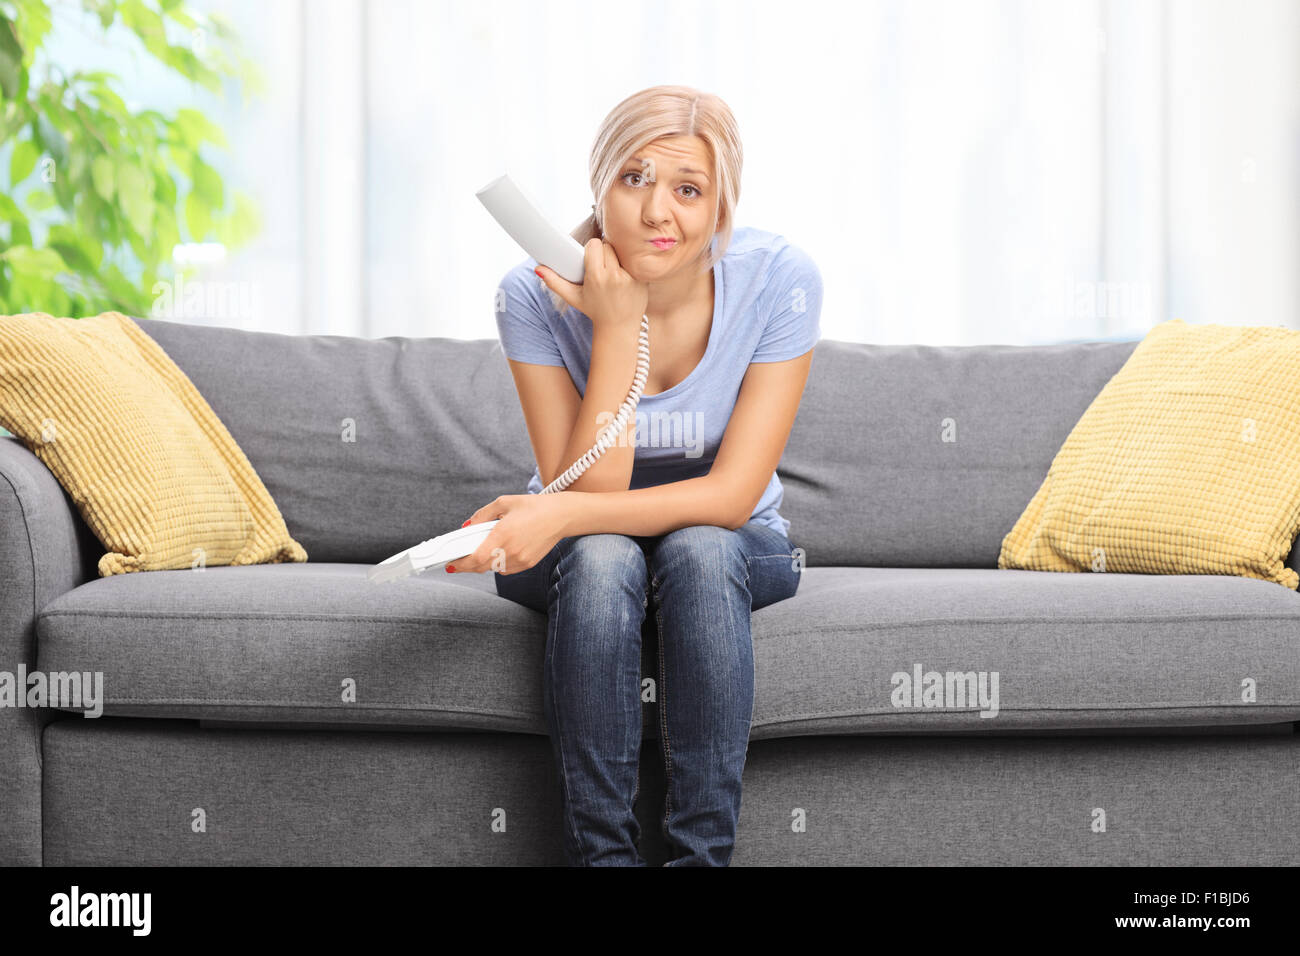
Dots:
pixel 699 550
pixel 602 569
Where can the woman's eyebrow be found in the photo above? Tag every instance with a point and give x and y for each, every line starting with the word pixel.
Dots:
pixel 680 169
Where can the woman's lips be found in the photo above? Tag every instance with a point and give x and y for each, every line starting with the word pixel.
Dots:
pixel 663 243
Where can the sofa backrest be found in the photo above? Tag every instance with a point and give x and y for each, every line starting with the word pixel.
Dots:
pixel 368 446
pixel 919 456
pixel 925 456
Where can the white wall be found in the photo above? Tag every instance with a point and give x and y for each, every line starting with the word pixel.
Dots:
pixel 963 171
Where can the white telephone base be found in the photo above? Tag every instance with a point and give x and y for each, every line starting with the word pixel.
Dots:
pixel 430 553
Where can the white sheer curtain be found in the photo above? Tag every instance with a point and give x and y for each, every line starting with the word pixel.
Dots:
pixel 963 171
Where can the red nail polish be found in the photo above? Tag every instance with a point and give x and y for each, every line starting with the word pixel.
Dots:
pixel 538 272
pixel 451 569
pixel 466 522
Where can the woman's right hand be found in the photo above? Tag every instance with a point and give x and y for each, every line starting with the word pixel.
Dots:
pixel 608 294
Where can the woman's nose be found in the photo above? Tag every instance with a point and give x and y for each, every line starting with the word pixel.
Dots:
pixel 655 204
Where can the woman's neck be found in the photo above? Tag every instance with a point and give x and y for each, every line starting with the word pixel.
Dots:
pixel 679 293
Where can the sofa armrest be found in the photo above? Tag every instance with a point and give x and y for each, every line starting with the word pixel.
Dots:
pixel 45 550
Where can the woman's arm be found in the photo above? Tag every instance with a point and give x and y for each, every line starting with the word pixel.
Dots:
pixel 615 302
pixel 563 425
pixel 751 449
pixel 609 379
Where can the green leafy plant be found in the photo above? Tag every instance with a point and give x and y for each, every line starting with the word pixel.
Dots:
pixel 99 193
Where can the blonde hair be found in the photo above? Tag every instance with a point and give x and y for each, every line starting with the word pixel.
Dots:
pixel 654 113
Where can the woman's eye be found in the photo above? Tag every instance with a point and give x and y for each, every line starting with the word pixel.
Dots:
pixel 694 191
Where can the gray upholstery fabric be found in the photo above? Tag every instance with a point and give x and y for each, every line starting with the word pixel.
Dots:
pixel 275 642
pixel 1070 650
pixel 925 456
pixel 869 478
pixel 125 791
pixel 45 550
pixel 368 446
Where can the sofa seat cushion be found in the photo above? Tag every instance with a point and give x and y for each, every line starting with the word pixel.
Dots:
pixel 1070 651
pixel 275 644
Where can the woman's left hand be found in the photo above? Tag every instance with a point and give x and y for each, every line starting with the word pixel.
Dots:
pixel 530 526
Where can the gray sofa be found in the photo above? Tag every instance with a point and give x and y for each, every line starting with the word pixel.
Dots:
pixel 1120 734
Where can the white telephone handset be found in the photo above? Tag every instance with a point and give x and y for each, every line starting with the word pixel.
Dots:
pixel 519 216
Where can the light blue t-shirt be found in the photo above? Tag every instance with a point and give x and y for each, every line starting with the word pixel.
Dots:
pixel 766 308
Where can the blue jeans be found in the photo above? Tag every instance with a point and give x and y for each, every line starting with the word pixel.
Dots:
pixel 595 589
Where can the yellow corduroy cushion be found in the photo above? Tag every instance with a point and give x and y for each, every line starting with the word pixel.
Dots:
pixel 1187 462
pixel 150 467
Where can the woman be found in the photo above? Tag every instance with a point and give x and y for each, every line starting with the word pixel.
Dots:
pixel 688 521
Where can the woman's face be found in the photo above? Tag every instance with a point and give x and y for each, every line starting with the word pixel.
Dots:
pixel 665 190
